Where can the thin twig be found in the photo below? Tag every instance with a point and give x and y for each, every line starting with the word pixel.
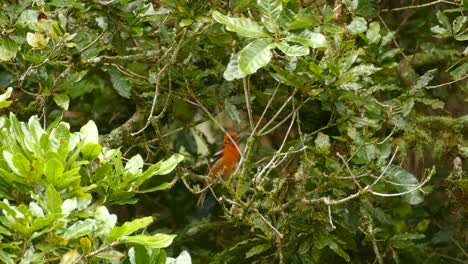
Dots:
pixel 158 84
pixel 419 6
pixel 245 83
pixel 444 84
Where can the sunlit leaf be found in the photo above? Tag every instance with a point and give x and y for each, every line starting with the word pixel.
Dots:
pixel 242 26
pixel 358 25
pixel 294 50
pixel 255 55
pixel 129 227
pixel 155 241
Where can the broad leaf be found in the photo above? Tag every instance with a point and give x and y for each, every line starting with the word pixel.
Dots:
pixel 8 50
pixel 358 25
pixel 129 227
pixel 156 241
pixel 405 181
pixel 232 71
pixel 255 55
pixel 309 38
pixel 270 11
pixel 294 50
pixel 242 26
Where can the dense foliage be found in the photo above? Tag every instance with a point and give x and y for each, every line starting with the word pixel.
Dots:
pixel 352 111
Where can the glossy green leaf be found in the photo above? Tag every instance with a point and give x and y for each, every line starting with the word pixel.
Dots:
pixel 79 229
pixel 405 181
pixel 373 32
pixel 129 227
pixel 89 133
pixel 91 151
pixel 255 55
pixel 232 71
pixel 232 111
pixel 8 50
pixel 309 38
pixel 292 50
pixel 62 100
pixel 183 258
pixel 54 201
pixel 166 166
pixel 3 98
pixel 22 165
pixel 258 249
pixel 155 241
pixel 358 25
pixel 53 171
pixel 460 71
pixel 110 254
pixel 270 11
pixel 443 20
pixel 408 236
pixel 242 26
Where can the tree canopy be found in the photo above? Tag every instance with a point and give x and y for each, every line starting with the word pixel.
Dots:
pixel 352 116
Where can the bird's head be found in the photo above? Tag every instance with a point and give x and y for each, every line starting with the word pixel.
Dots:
pixel 227 141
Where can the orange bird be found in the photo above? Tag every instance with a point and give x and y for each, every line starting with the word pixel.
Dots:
pixel 224 165
pixel 230 156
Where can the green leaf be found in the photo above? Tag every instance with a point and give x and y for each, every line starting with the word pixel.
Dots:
pixel 155 241
pixel 53 171
pixel 408 236
pixel 80 228
pixel 270 11
pixel 89 133
pixel 62 100
pixel 424 80
pixel 8 50
pixel 70 80
pixel 134 164
pixel 139 254
pixel 110 254
pixel 3 98
pixel 129 227
pixel 358 25
pixel 183 258
pixel 367 8
pixel 232 71
pixel 365 69
pixel 91 151
pixel 459 23
pixel 258 249
pixel 294 50
pixel 70 257
pixel 373 33
pixel 54 201
pixel 377 213
pixel 242 26
pixel 333 246
pixel 162 186
pixel 21 164
pixel 463 37
pixel 119 83
pixel 309 38
pixel 166 166
pixel 443 20
pixel 5 257
pixel 255 55
pixel 405 181
pixel 232 111
pixel 460 71
pixel 322 142
pixel 36 40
